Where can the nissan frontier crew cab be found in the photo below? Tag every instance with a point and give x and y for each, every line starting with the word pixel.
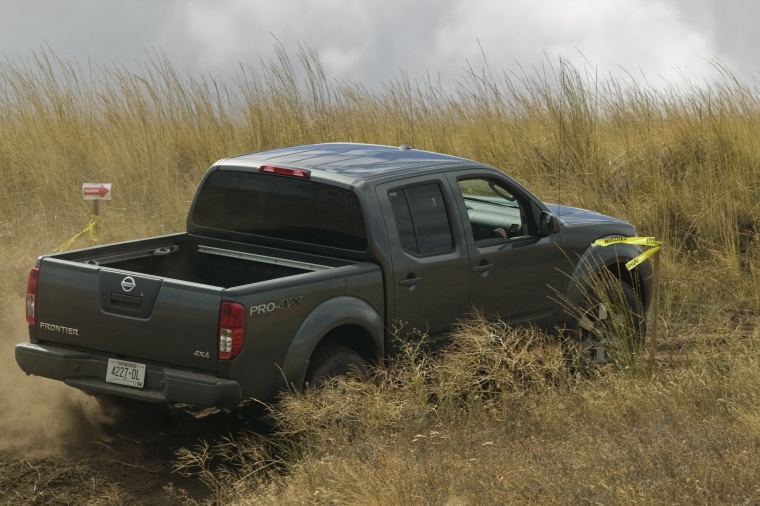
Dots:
pixel 301 263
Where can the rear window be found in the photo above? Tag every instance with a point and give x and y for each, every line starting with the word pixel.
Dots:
pixel 281 208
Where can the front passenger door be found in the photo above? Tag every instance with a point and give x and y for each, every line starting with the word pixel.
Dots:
pixel 514 271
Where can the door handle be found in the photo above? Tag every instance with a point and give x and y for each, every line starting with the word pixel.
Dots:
pixel 410 281
pixel 483 268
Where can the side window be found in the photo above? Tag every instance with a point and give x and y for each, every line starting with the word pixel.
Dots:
pixel 421 219
pixel 403 217
pixel 495 213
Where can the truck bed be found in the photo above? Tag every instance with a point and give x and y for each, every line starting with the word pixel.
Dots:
pixel 210 262
pixel 123 298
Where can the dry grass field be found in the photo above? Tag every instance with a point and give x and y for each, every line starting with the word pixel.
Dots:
pixel 499 417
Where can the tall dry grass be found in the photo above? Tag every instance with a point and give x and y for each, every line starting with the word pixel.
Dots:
pixel 478 424
pixel 502 419
pixel 679 162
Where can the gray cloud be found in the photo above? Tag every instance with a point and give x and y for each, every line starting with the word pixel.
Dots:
pixel 373 42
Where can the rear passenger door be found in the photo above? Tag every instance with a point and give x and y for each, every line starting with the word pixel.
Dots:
pixel 430 282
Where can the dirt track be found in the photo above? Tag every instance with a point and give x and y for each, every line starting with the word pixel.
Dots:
pixel 125 457
pixel 59 446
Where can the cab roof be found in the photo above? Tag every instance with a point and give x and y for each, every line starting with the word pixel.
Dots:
pixel 350 161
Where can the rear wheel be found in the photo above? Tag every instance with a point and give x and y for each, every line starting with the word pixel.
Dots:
pixel 612 326
pixel 334 363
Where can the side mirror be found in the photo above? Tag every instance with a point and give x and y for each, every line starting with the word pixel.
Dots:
pixel 549 224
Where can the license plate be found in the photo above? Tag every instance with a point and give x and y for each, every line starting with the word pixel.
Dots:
pixel 122 372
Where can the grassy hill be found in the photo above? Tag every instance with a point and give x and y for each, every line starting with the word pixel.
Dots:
pixel 681 162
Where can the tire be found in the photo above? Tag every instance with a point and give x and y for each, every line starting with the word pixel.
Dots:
pixel 612 327
pixel 334 362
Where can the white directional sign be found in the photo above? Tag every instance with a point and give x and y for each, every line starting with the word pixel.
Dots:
pixel 96 191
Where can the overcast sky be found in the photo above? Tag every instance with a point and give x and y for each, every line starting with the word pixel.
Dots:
pixel 372 42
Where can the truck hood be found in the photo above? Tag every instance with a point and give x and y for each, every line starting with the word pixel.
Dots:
pixel 572 216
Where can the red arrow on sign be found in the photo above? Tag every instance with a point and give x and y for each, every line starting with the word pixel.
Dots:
pixel 96 191
pixel 101 191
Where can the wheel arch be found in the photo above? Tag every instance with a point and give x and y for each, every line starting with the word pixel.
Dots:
pixel 612 259
pixel 344 321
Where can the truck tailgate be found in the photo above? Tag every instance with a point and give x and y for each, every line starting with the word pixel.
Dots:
pixel 127 314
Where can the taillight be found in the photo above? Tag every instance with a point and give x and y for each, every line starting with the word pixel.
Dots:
pixel 231 330
pixel 285 171
pixel 31 296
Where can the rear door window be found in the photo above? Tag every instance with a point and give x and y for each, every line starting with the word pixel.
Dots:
pixel 422 219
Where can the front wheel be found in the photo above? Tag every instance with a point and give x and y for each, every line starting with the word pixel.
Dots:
pixel 612 325
pixel 334 363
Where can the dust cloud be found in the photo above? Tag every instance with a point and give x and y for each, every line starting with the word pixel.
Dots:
pixel 38 415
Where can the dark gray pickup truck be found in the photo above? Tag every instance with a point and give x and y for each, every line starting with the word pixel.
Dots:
pixel 301 262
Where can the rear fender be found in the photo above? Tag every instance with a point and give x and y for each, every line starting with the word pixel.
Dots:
pixel 328 316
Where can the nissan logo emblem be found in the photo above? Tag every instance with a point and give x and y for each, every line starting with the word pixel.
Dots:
pixel 128 284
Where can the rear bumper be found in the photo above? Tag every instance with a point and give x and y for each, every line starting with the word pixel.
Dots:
pixel 87 371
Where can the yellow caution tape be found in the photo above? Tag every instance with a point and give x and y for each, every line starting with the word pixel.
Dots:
pixel 636 261
pixel 639 241
pixel 89 228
